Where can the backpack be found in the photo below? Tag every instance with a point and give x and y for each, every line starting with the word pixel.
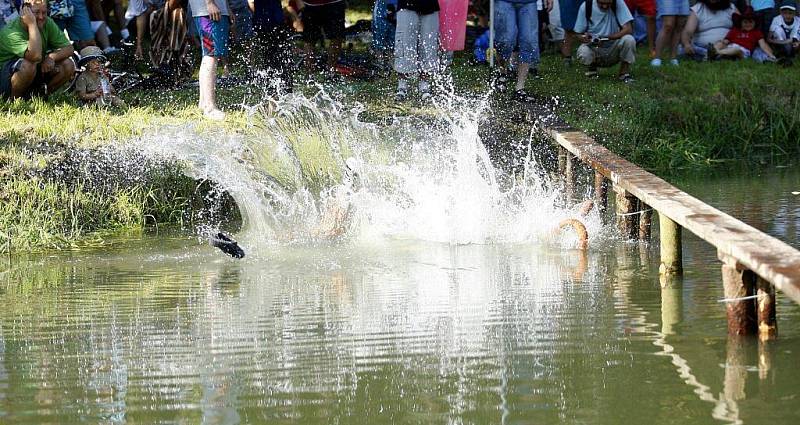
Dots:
pixel 589 12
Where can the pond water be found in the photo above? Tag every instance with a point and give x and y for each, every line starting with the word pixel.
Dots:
pixel 402 323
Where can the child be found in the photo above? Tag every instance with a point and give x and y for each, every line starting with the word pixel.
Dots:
pixel 744 40
pixel 783 33
pixel 93 86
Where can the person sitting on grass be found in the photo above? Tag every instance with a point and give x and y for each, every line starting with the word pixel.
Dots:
pixel 605 28
pixel 744 41
pixel 93 87
pixel 34 54
pixel 784 33
pixel 709 21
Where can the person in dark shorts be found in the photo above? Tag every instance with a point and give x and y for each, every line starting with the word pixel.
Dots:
pixel 25 65
pixel 323 19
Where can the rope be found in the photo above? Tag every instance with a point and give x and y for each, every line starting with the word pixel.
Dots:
pixel 749 297
pixel 634 213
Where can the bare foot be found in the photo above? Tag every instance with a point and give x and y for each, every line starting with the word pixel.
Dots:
pixel 214 114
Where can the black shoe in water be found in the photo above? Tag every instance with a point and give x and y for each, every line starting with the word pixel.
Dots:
pixel 226 245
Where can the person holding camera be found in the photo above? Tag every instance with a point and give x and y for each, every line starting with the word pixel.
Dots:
pixel 605 28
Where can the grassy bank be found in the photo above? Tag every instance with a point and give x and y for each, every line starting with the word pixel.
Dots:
pixel 694 116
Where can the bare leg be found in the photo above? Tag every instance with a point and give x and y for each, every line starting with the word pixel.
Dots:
pixel 566 44
pixel 141 26
pixel 66 70
pixel 522 75
pixel 676 36
pixel 333 52
pixel 624 68
pixel 22 79
pixel 665 35
pixel 208 80
pixel 651 35
pixel 102 37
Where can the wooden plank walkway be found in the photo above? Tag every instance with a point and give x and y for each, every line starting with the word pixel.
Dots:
pixel 768 257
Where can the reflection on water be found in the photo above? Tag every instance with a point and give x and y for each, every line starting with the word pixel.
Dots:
pixel 396 332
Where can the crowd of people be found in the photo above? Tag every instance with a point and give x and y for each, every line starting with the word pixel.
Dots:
pixel 43 44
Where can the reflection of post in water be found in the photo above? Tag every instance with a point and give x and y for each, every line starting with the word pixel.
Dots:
pixel 735 371
pixel 671 303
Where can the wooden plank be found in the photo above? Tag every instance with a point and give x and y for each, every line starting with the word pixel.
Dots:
pixel 768 257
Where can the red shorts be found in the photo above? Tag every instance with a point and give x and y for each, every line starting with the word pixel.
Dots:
pixel 645 7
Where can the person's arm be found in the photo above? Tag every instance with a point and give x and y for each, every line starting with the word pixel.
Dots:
pixel 548 5
pixel 688 33
pixel 34 51
pixel 762 43
pixel 626 29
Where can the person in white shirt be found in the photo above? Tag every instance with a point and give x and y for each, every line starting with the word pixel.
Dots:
pixel 784 32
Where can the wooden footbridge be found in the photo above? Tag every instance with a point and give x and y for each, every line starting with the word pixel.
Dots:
pixel 754 264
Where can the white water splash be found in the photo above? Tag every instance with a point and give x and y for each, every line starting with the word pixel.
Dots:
pixel 407 180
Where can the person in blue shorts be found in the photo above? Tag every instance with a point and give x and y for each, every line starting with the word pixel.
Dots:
pixel 78 26
pixel 212 20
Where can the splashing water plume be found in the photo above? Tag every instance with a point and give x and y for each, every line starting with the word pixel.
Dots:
pixel 306 160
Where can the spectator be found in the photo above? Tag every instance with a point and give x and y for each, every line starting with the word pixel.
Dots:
pixel 34 54
pixel 744 41
pixel 647 9
pixel 241 30
pixel 169 44
pixel 673 15
pixel 93 87
pixel 709 21
pixel 568 12
pixel 140 10
pixel 78 25
pixel 416 50
pixel 384 24
pixel 8 12
pixel 211 18
pixel 273 48
pixel 100 10
pixel 323 19
pixel 606 28
pixel 518 26
pixel 784 33
pixel 764 12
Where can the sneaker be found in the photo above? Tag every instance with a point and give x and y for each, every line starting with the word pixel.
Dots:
pixel 711 53
pixel 655 63
pixel 673 62
pixel 592 72
pixel 401 95
pixel 626 78
pixel 214 114
pixel 521 96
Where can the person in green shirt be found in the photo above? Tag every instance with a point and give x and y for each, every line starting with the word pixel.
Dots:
pixel 33 53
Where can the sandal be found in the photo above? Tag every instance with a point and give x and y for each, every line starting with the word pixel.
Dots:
pixel 626 78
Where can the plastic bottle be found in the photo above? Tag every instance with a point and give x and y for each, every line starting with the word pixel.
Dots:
pixel 106 86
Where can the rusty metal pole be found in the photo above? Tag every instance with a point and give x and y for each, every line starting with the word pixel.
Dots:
pixel 627 219
pixel 767 323
pixel 600 192
pixel 739 283
pixel 671 252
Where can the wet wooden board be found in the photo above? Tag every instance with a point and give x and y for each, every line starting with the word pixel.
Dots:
pixel 768 257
